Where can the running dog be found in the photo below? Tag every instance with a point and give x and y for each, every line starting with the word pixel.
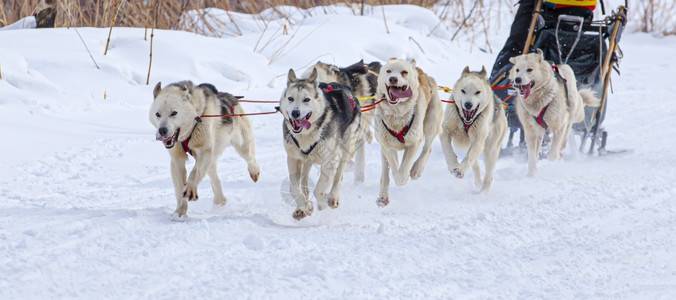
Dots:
pixel 362 80
pixel 409 114
pixel 177 114
pixel 321 126
pixel 476 123
pixel 548 98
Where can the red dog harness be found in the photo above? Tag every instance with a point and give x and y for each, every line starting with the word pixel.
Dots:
pixel 400 135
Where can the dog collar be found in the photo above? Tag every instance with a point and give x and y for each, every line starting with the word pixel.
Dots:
pixel 400 135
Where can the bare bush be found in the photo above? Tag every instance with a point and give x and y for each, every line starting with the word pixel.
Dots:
pixel 656 16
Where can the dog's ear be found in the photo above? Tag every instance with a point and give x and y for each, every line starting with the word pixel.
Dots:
pixel 157 89
pixel 333 69
pixel 187 88
pixel 541 55
pixel 313 76
pixel 512 60
pixel 412 62
pixel 292 77
pixel 483 72
pixel 465 71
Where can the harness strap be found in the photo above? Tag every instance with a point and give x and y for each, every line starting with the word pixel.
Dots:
pixel 185 142
pixel 400 135
pixel 540 118
pixel 312 147
pixel 329 88
pixel 561 80
pixel 464 122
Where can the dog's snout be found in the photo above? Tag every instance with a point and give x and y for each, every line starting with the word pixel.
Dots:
pixel 163 131
pixel 394 80
pixel 468 105
pixel 517 80
pixel 295 113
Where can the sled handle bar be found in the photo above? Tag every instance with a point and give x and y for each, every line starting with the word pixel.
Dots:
pixel 568 19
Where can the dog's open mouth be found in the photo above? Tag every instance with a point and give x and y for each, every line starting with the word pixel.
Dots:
pixel 169 141
pixel 297 125
pixel 398 92
pixel 524 89
pixel 469 114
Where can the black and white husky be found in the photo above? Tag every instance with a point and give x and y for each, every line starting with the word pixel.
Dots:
pixel 362 79
pixel 321 126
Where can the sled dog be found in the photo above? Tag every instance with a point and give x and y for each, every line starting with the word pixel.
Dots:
pixel 547 98
pixel 321 126
pixel 362 80
pixel 176 114
pixel 410 113
pixel 476 123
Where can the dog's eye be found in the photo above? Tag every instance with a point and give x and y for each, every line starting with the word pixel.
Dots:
pixel 463 91
pixel 477 93
pixel 173 113
pixel 517 70
pixel 158 115
pixel 389 71
pixel 290 99
pixel 529 70
pixel 404 73
pixel 306 100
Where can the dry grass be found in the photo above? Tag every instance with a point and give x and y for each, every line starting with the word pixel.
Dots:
pixel 651 16
pixel 138 13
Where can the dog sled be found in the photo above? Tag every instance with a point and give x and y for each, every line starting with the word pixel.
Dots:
pixel 590 47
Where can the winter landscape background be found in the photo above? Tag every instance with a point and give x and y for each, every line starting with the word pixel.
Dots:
pixel 86 193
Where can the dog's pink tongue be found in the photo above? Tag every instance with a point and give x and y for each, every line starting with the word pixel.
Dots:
pixel 401 94
pixel 305 124
pixel 163 138
pixel 526 91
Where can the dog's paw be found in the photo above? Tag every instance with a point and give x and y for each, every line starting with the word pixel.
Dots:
pixel 178 218
pixel 554 155
pixel 220 200
pixel 334 202
pixel 303 212
pixel 190 192
pixel 383 201
pixel 416 170
pixel 458 172
pixel 254 172
pixel 400 180
pixel 322 203
pixel 530 173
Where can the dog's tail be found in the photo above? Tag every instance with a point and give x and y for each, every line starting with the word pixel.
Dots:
pixel 589 98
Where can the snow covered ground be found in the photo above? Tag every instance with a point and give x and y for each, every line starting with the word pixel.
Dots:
pixel 86 193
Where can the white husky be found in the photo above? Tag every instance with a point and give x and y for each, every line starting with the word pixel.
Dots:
pixel 410 114
pixel 476 123
pixel 548 98
pixel 177 112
